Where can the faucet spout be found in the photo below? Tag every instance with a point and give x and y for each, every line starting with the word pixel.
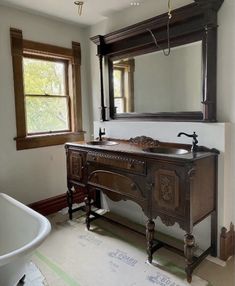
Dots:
pixel 195 141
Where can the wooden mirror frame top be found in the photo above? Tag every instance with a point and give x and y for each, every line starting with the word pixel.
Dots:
pixel 190 23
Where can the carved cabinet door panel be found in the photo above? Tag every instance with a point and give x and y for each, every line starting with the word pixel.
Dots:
pixel 169 190
pixel 75 165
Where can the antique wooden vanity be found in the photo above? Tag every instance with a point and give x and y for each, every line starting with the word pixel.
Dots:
pixel 166 180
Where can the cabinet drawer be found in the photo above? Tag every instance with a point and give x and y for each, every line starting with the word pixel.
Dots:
pixel 116 183
pixel 119 162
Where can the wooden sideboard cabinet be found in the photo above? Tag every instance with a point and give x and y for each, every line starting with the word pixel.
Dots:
pixel 178 188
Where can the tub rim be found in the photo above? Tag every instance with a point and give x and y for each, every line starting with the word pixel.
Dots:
pixel 43 232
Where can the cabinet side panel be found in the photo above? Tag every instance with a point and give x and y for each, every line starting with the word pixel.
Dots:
pixel 204 188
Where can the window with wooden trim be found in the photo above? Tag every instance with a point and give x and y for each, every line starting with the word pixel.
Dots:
pixel 47 93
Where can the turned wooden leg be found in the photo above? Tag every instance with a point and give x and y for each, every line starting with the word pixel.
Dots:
pixel 150 225
pixel 70 203
pixel 88 211
pixel 214 233
pixel 189 242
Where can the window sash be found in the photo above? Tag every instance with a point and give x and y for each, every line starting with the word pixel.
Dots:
pixel 123 102
pixel 122 82
pixel 68 103
pixel 67 96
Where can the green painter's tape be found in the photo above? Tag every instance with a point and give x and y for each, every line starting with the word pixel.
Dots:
pixel 56 269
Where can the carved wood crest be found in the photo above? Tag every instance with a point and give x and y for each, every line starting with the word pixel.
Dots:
pixel 144 141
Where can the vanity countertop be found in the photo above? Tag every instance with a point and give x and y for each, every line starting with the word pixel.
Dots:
pixel 126 147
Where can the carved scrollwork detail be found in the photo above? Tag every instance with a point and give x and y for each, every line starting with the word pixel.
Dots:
pixel 167 189
pixel 94 156
pixel 191 173
pixel 168 221
pixel 144 141
pixel 76 165
pixel 182 225
pixel 117 161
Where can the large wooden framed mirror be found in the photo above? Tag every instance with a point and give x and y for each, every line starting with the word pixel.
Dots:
pixel 145 84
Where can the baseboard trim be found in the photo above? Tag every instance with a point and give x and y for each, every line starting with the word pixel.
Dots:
pixel 55 204
pixel 227 243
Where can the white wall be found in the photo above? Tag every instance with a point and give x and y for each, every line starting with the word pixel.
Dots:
pixel 209 134
pixel 226 89
pixel 35 174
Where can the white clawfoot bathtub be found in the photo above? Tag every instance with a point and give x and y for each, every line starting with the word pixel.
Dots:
pixel 21 231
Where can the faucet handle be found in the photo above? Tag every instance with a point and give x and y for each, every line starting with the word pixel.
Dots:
pixel 101 133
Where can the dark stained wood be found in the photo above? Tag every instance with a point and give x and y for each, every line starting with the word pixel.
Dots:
pixel 150 225
pixel 227 243
pixel 191 23
pixel 117 161
pixel 72 59
pixel 77 93
pixel 17 61
pixel 55 204
pixel 161 116
pixel 203 181
pixel 177 188
pixel 46 49
pixel 35 141
pixel 100 54
pixel 116 183
pixel 76 162
pixel 189 241
pixel 87 201
pixel 209 54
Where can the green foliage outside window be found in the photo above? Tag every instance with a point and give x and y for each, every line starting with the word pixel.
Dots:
pixel 45 113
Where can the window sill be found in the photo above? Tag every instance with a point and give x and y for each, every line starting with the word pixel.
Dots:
pixel 37 141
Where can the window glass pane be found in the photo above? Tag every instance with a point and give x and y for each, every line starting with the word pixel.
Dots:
pixel 119 104
pixel 117 82
pixel 46 114
pixel 44 77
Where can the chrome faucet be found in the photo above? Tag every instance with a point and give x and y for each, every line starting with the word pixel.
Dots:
pixel 195 141
pixel 101 133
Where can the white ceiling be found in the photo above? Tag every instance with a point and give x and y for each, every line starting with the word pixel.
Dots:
pixel 94 11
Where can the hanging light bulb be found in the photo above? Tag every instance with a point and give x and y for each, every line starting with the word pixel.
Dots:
pixel 166 53
pixel 79 4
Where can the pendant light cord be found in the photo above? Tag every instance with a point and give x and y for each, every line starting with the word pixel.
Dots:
pixel 168 51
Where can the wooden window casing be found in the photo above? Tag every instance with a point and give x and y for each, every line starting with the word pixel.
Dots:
pixel 23 48
pixel 127 69
pixel 122 88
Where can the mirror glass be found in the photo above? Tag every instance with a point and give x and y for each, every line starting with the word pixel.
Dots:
pixel 153 82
